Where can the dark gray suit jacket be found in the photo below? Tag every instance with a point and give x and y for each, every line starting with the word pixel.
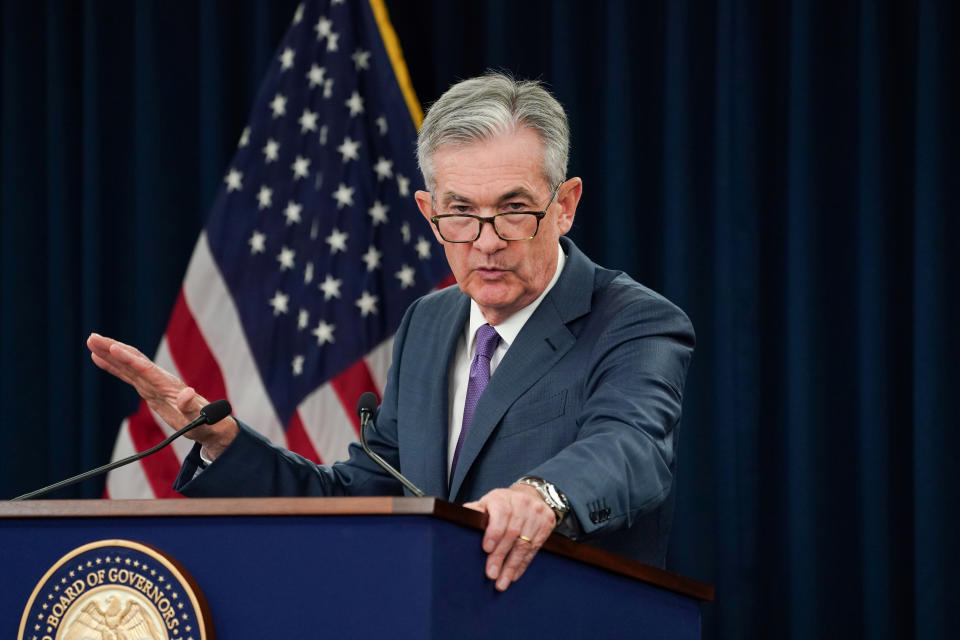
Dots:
pixel 588 397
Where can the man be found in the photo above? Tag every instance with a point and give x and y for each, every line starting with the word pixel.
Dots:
pixel 544 390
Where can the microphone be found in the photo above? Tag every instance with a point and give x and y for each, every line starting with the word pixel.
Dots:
pixel 366 405
pixel 210 414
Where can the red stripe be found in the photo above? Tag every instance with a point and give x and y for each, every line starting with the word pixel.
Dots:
pixel 190 353
pixel 106 493
pixel 299 442
pixel 349 384
pixel 446 282
pixel 162 467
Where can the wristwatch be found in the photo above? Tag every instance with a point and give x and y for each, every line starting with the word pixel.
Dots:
pixel 550 494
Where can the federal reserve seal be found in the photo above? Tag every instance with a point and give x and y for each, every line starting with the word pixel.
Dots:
pixel 115 590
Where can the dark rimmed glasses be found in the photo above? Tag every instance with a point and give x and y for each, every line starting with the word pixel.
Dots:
pixel 510 225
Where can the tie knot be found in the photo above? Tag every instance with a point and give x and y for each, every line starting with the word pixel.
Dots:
pixel 487 341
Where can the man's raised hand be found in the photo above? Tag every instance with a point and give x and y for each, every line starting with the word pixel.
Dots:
pixel 168 396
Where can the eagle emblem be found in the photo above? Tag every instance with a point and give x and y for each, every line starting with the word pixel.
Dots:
pixel 117 622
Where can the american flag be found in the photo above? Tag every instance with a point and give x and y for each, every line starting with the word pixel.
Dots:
pixel 313 250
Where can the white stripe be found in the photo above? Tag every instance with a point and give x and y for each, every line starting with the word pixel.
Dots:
pixel 129 481
pixel 213 308
pixel 181 446
pixel 378 362
pixel 326 423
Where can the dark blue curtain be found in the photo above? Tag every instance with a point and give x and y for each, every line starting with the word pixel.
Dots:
pixel 780 170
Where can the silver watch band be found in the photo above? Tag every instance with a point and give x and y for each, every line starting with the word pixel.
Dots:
pixel 551 495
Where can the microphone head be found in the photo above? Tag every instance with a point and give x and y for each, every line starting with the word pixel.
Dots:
pixel 367 403
pixel 216 411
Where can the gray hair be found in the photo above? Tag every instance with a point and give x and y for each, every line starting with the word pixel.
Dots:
pixel 493 104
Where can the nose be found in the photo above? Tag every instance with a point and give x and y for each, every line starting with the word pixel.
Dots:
pixel 489 241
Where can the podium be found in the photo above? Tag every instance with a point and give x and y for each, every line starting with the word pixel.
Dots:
pixel 354 568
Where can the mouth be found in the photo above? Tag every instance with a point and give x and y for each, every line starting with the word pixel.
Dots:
pixel 489 273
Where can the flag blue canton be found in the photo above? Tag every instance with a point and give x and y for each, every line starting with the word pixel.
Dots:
pixel 315 230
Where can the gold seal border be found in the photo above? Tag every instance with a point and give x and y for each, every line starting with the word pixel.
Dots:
pixel 188 584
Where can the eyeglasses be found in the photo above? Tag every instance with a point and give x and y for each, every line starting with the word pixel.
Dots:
pixel 510 226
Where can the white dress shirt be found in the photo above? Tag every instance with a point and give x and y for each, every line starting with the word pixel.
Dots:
pixel 466 349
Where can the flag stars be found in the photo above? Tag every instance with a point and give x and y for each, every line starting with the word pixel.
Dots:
pixel 279 303
pixel 292 212
pixel 234 180
pixel 308 121
pixel 324 27
pixel 403 185
pixel 258 243
pixel 378 212
pixel 278 105
pixel 332 40
pixel 382 125
pixel 361 59
pixel 244 137
pixel 405 276
pixel 298 14
pixel 316 75
pixel 286 59
pixel 303 319
pixel 372 258
pixel 344 196
pixel 324 333
pixel 285 258
pixel 308 273
pixel 271 150
pixel 330 287
pixel 405 232
pixel 367 304
pixel 355 104
pixel 349 150
pixel 383 168
pixel 264 197
pixel 301 167
pixel 423 248
pixel 297 365
pixel 337 240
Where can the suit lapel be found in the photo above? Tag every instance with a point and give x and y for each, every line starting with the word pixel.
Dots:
pixel 542 342
pixel 435 416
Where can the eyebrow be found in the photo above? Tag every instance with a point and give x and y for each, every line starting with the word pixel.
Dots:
pixel 519 192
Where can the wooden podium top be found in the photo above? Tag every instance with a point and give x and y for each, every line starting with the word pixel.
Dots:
pixel 224 507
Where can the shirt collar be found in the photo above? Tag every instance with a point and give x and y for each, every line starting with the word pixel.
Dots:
pixel 510 328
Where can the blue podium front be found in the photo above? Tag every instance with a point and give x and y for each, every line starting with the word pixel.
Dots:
pixel 343 568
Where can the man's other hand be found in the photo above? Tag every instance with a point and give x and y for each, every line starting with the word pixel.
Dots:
pixel 518 524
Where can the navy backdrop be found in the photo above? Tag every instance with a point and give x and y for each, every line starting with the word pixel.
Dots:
pixel 780 170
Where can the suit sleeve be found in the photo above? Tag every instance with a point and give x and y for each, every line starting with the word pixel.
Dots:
pixel 253 467
pixel 620 466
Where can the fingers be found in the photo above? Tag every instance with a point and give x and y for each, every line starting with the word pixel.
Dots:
pixel 164 393
pixel 501 535
pixel 110 367
pixel 513 513
pixel 524 549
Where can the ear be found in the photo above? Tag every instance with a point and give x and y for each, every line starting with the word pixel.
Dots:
pixel 568 198
pixel 425 203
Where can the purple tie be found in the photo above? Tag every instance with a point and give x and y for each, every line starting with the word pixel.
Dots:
pixel 487 341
